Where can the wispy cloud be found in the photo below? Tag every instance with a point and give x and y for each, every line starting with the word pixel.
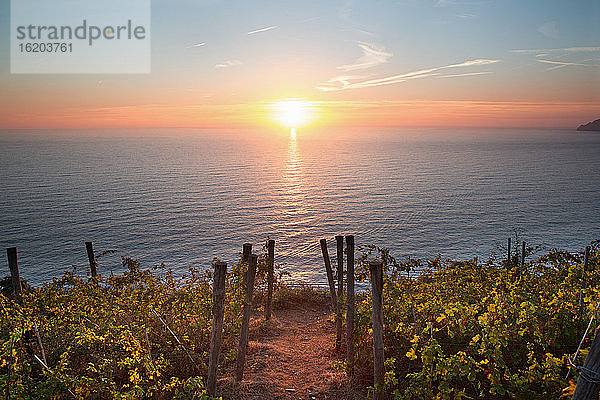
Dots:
pixel 563 49
pixel 446 3
pixel 560 64
pixel 563 57
pixel 549 29
pixel 465 74
pixel 195 45
pixel 372 55
pixel 268 28
pixel 466 15
pixel 228 63
pixel 443 3
pixel 345 82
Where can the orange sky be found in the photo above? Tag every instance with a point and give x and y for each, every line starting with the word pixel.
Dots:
pixel 437 63
pixel 383 113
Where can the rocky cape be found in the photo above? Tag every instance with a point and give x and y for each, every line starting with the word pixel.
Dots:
pixel 591 126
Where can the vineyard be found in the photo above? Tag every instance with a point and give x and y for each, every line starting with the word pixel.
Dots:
pixel 457 329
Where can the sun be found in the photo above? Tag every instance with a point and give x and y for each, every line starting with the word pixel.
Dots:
pixel 293 113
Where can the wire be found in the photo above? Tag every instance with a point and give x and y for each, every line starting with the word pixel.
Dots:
pixel 585 373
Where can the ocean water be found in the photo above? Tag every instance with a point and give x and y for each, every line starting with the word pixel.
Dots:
pixel 184 198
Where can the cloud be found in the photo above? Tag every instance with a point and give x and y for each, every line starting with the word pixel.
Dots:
pixel 563 49
pixel 548 29
pixel 560 64
pixel 268 28
pixel 571 56
pixel 345 82
pixel 228 63
pixel 465 74
pixel 446 3
pixel 443 3
pixel 466 15
pixel 195 45
pixel 372 55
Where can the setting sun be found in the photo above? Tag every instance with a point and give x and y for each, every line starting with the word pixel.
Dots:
pixel 293 113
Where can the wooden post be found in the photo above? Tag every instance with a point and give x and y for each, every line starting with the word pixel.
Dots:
pixel 508 254
pixel 376 269
pixel 584 283
pixel 270 277
pixel 340 265
pixel 334 300
pixel 13 265
pixel 340 281
pixel 350 306
pixel 90 253
pixel 243 342
pixel 523 254
pixel 216 335
pixel 247 250
pixel 586 388
pixel 327 262
pixel 586 259
pixel 586 264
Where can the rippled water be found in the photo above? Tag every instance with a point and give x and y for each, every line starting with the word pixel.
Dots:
pixel 184 199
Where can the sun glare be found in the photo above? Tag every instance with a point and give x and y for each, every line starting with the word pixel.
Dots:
pixel 293 113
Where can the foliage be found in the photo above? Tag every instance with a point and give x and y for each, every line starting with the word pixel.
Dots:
pixel 462 329
pixel 142 334
pixel 455 329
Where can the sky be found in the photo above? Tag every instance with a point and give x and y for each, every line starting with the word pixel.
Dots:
pixel 431 63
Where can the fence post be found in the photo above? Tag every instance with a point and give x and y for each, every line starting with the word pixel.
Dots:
pixel 584 283
pixel 587 265
pixel 586 259
pixel 216 335
pixel 376 269
pixel 587 388
pixel 270 277
pixel 90 253
pixel 340 281
pixel 508 261
pixel 523 254
pixel 350 306
pixel 340 265
pixel 243 342
pixel 247 250
pixel 13 265
pixel 334 299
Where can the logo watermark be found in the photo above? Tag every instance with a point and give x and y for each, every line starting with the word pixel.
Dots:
pixel 91 36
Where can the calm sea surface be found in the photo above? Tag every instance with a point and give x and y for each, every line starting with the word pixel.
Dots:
pixel 184 199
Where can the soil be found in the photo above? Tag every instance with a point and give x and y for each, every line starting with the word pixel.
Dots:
pixel 292 356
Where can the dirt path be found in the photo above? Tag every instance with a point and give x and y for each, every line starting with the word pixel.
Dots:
pixel 292 357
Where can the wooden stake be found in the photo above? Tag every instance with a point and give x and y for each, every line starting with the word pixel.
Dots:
pixel 247 250
pixel 587 266
pixel 340 281
pixel 508 255
pixel 586 259
pixel 13 265
pixel 339 240
pixel 90 253
pixel 334 301
pixel 350 306
pixel 584 283
pixel 243 342
pixel 523 254
pixel 270 277
pixel 376 269
pixel 216 335
pixel 39 340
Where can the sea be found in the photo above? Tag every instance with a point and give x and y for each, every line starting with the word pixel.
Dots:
pixel 183 197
